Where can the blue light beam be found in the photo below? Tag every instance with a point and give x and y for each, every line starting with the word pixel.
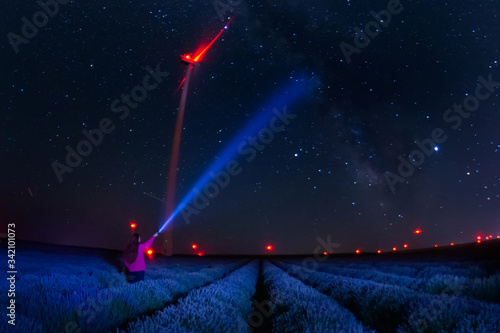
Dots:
pixel 296 90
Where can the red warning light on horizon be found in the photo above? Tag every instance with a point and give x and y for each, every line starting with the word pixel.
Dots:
pixel 379 251
pixel 200 253
pixel 418 231
pixel 269 247
pixel 149 251
pixel 133 225
pixel 406 245
pixel 358 251
pixel 452 244
pixel 394 248
pixel 435 245
pixel 194 246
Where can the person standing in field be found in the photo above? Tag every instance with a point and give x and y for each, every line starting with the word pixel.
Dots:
pixel 134 257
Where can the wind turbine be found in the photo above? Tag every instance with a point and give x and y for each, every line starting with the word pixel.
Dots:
pixel 191 60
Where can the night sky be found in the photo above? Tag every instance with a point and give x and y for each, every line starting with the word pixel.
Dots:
pixel 323 174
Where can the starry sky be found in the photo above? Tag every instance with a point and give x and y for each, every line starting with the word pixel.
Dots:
pixel 325 174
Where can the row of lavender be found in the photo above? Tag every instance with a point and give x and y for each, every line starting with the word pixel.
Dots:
pixel 223 306
pixel 390 307
pixel 77 293
pixel 417 269
pixel 471 281
pixel 296 307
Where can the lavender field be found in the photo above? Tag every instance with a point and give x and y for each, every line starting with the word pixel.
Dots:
pixel 80 290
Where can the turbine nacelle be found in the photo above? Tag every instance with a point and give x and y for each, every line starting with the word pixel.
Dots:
pixel 187 59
